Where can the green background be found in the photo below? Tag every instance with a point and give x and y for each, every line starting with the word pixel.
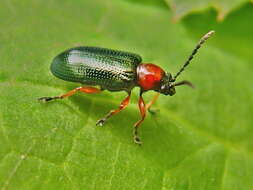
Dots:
pixel 199 139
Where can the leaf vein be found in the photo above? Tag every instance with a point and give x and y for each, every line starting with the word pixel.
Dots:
pixel 113 166
pixel 16 167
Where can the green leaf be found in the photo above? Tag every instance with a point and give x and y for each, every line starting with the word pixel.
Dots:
pixel 199 139
pixel 181 8
pixel 156 3
pixel 234 34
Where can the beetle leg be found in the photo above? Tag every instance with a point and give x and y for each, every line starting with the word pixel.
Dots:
pixel 151 103
pixel 142 109
pixel 84 89
pixel 122 106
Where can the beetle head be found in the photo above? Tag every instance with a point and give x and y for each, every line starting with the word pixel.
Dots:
pixel 167 85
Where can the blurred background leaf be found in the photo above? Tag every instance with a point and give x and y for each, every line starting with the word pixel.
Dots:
pixel 223 7
pixel 200 139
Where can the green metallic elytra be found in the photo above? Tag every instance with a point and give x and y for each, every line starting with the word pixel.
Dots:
pixel 110 69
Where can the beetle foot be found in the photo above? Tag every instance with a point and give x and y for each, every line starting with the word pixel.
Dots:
pixel 153 111
pixel 46 99
pixel 137 140
pixel 100 122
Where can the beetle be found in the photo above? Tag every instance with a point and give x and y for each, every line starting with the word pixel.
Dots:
pixel 115 70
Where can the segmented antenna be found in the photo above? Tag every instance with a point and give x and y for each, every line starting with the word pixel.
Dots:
pixel 202 40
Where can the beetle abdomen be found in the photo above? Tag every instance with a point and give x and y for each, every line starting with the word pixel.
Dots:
pixel 111 69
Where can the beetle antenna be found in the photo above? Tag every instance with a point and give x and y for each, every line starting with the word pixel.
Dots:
pixel 202 40
pixel 184 82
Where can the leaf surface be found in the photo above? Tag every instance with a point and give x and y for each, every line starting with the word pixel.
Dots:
pixel 199 139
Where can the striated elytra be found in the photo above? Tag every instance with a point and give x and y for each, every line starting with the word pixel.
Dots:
pixel 110 69
pixel 116 70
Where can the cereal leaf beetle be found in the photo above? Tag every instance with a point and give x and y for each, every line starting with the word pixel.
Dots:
pixel 115 70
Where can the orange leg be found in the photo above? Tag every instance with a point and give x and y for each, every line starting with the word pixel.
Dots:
pixel 152 102
pixel 142 109
pixel 122 106
pixel 88 90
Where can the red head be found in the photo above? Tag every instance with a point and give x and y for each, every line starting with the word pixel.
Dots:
pixel 152 77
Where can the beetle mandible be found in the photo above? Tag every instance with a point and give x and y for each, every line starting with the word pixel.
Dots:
pixel 115 70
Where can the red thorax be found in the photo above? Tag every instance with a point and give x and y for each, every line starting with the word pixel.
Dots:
pixel 149 76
